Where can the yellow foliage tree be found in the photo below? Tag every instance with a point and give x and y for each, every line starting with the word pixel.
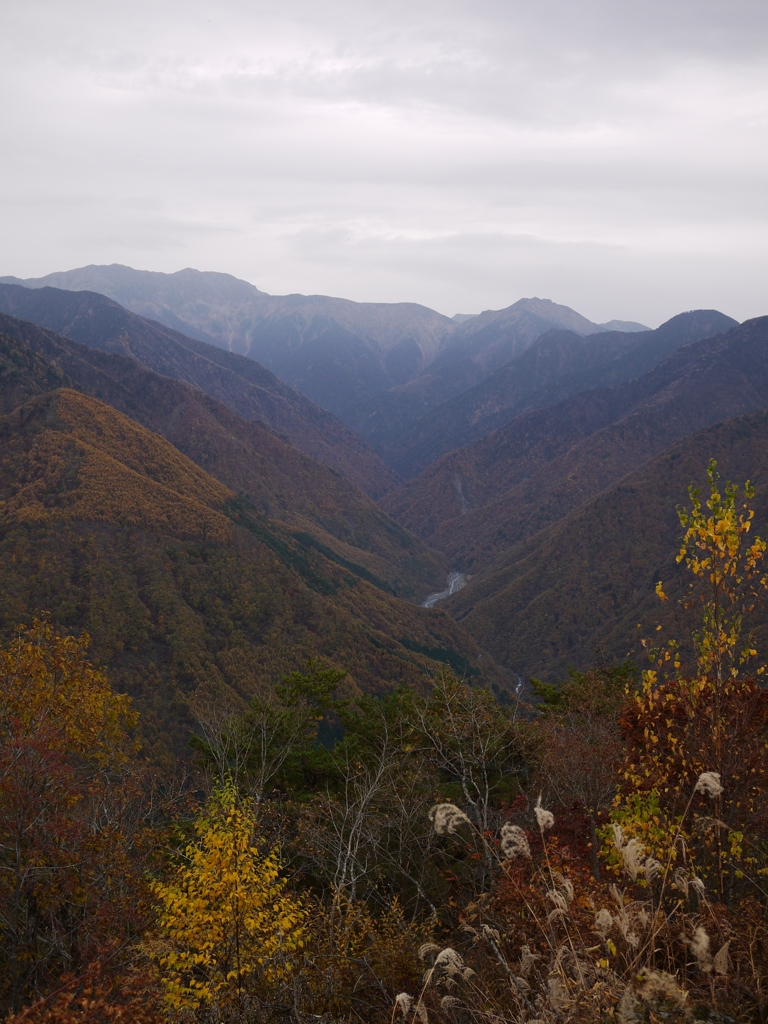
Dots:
pixel 63 732
pixel 729 578
pixel 226 922
pixel 708 719
pixel 48 684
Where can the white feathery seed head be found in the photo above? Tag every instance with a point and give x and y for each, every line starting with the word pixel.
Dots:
pixel 652 868
pixel 544 819
pixel 700 948
pixel 403 1002
pixel 658 985
pixel 527 960
pixel 681 880
pixel 698 885
pixel 649 989
pixel 618 836
pixel 633 856
pixel 603 923
pixel 446 818
pixel 565 885
pixel 557 993
pixel 708 784
pixel 448 961
pixel 427 950
pixel 514 842
pixel 560 904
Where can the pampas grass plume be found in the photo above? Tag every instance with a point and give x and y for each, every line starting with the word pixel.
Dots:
pixel 446 818
pixel 544 818
pixel 514 842
pixel 708 784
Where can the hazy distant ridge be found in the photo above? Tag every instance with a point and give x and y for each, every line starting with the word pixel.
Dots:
pixel 243 384
pixel 341 354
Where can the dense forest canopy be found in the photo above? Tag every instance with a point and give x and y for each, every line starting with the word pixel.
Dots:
pixel 426 853
pixel 243 779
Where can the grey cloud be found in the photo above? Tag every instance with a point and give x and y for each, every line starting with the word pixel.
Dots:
pixel 610 155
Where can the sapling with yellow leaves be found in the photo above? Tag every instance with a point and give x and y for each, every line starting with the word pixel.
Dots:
pixel 708 717
pixel 65 738
pixel 729 578
pixel 227 925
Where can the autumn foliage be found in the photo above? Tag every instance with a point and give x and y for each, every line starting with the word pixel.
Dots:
pixel 446 856
pixel 62 731
pixel 226 925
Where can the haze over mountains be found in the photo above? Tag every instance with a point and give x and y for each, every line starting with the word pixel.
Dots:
pixel 553 513
pixel 478 501
pixel 186 579
pixel 241 383
pixel 520 433
pixel 558 364
pixel 339 353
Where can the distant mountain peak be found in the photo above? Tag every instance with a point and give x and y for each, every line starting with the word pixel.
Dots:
pixel 343 355
pixel 625 326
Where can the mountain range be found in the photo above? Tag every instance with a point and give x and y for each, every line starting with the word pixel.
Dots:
pixel 565 517
pixel 582 590
pixel 535 444
pixel 339 353
pixel 248 458
pixel 558 364
pixel 479 501
pixel 248 388
pixel 184 584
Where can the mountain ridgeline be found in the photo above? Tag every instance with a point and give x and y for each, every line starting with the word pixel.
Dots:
pixel 586 582
pixel 185 586
pixel 343 355
pixel 565 517
pixel 241 383
pixel 247 457
pixel 560 363
pixel 335 351
pixel 478 501
pixel 524 448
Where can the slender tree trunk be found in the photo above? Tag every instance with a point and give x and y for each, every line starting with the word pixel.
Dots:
pixel 594 846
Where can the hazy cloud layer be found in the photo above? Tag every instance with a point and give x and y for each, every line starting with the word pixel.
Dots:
pixel 609 155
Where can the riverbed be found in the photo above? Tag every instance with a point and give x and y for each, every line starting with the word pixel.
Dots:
pixel 455 581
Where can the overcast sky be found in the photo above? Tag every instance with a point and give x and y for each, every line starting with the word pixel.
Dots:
pixel 606 154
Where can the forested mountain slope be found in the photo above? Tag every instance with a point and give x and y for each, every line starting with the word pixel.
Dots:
pixel 334 350
pixel 478 501
pixel 282 482
pixel 589 579
pixel 475 348
pixel 242 384
pixel 498 335
pixel 557 365
pixel 109 528
pixel 377 366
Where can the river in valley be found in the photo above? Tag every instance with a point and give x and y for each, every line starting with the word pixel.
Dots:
pixel 455 581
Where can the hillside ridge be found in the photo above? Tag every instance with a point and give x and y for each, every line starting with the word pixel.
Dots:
pixel 587 581
pixel 478 501
pixel 557 365
pixel 340 353
pixel 248 388
pixel 246 457
pixel 110 529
